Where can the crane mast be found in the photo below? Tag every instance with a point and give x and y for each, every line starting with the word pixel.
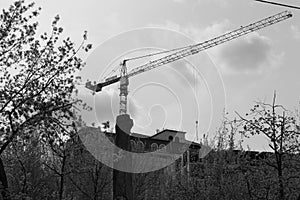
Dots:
pixel 124 82
pixel 182 53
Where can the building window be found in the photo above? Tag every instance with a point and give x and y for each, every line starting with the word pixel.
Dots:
pixel 154 147
pixel 140 146
pixel 162 148
pixel 132 144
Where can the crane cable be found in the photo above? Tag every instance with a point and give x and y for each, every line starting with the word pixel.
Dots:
pixel 144 56
pixel 278 4
pixel 161 52
pixel 181 48
pixel 189 46
pixel 110 73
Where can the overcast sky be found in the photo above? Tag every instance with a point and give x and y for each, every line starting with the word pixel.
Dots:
pixel 232 75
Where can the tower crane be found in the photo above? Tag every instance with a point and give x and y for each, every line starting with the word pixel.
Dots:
pixel 178 54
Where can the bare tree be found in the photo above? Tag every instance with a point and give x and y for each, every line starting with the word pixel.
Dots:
pixel 278 125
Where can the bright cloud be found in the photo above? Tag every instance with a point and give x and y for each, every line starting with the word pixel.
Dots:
pixel 197 33
pixel 253 53
pixel 188 70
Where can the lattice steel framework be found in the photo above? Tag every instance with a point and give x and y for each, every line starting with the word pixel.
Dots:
pixel 183 52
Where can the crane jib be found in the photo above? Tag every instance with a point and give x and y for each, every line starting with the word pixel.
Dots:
pixel 194 49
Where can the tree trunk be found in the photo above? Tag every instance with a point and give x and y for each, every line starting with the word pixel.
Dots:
pixel 281 189
pixel 62 177
pixel 279 172
pixel 4 183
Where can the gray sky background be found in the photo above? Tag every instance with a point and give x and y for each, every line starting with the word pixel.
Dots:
pixel 251 67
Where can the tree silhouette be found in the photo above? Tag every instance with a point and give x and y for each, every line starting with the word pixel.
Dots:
pixel 37 82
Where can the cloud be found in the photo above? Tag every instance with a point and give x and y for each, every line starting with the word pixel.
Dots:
pixel 251 54
pixel 296 32
pixel 197 33
pixel 190 69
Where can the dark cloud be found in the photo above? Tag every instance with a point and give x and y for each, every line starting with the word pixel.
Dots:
pixel 250 54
